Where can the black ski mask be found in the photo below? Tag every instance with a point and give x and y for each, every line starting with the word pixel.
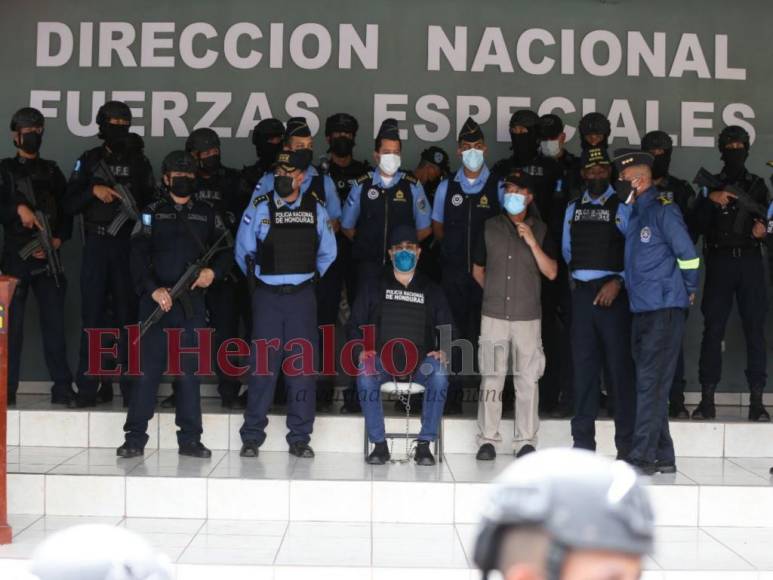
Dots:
pixel 524 147
pixel 661 164
pixel 30 142
pixel 267 152
pixel 116 137
pixel 342 146
pixel 735 161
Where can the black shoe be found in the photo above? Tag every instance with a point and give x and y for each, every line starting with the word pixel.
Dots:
pixel 486 453
pixel 127 451
pixel 105 392
pixel 757 411
pixel 380 454
pixel 195 449
pixel 677 410
pixel 170 402
pixel 666 467
pixel 423 455
pixel 706 410
pixel 525 450
pixel 642 467
pixel 249 449
pixel 301 449
pixel 11 399
pixel 82 402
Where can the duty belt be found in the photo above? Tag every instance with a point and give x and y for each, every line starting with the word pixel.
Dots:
pixel 284 288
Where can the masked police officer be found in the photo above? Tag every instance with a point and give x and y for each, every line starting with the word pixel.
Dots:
pixel 732 240
pixel 565 514
pixel 176 231
pixel 380 201
pixel 660 146
pixel 462 205
pixel 31 190
pixel 593 247
pixel 595 130
pixel 267 139
pixel 291 241
pixel 93 192
pixel 661 276
pixel 404 305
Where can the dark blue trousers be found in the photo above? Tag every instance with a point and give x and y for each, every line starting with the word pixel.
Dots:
pixel 601 339
pixel 153 363
pixel 656 339
pixel 284 317
pixel 227 303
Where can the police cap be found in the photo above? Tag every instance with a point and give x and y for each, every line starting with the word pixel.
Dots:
pixel 470 131
pixel 436 156
pixel 625 158
pixel 297 127
pixel 341 122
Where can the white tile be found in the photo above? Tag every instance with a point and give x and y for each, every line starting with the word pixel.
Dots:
pixel 214 425
pixel 759 466
pixel 54 428
pixel 466 469
pixel 459 435
pixel 330 501
pixel 248 499
pixel 552 433
pixel 44 455
pixel 106 430
pixel 469 500
pixel 12 427
pixel 75 495
pixel 410 471
pixel 749 440
pixel 325 544
pixel 698 439
pixel 417 546
pixel 244 527
pixel 338 433
pixel 268 465
pixel 412 502
pixel 752 544
pixel 51 523
pixel 736 506
pixel 158 497
pixel 674 505
pixel 20 522
pixel 329 466
pixel 26 494
pixel 208 572
pixel 231 549
pixel 15 570
pixel 163 525
pixel 169 463
pixel 423 574
pixel 322 573
pixel 717 471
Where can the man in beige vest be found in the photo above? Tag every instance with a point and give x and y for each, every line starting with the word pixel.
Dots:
pixel 511 258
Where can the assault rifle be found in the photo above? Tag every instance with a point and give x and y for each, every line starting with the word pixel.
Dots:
pixel 44 239
pixel 128 210
pixel 747 207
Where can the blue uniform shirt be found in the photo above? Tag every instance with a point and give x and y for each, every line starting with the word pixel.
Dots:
pixel 621 219
pixel 439 203
pixel 661 264
pixel 255 227
pixel 421 207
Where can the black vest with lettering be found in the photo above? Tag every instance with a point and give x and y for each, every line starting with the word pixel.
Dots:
pixel 381 210
pixel 291 244
pixel 405 314
pixel 463 219
pixel 123 169
pixel 722 231
pixel 221 192
pixel 597 243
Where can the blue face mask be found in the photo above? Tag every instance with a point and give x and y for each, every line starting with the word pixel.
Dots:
pixel 404 260
pixel 472 159
pixel 515 203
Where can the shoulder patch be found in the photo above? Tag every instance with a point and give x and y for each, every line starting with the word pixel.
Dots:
pixel 363 178
pixel 77 166
pixel 411 178
pixel 259 199
pixel 147 219
pixel 666 198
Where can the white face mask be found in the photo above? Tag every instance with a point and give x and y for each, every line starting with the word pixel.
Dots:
pixel 389 163
pixel 550 148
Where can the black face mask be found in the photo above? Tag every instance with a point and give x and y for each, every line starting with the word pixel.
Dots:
pixel 116 137
pixel 623 189
pixel 661 164
pixel 598 186
pixel 183 186
pixel 210 164
pixel 267 152
pixel 735 160
pixel 524 148
pixel 342 146
pixel 283 185
pixel 30 142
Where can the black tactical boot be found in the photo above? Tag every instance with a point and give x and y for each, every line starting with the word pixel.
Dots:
pixel 677 410
pixel 757 411
pixel 379 455
pixel 423 455
pixel 706 410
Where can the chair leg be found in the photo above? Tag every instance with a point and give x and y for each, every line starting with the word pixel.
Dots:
pixel 367 443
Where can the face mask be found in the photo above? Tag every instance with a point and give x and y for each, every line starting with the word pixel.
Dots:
pixel 550 148
pixel 267 152
pixel 283 185
pixel 116 137
pixel 596 187
pixel 661 164
pixel 472 159
pixel 524 148
pixel 624 190
pixel 30 142
pixel 210 164
pixel 182 186
pixel 342 146
pixel 515 203
pixel 404 260
pixel 735 160
pixel 389 163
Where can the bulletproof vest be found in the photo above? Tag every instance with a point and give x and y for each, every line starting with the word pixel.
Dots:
pixel 41 177
pixel 122 169
pixel 404 314
pixel 214 191
pixel 597 243
pixel 343 176
pixel 463 219
pixel 381 210
pixel 317 188
pixel 291 244
pixel 723 231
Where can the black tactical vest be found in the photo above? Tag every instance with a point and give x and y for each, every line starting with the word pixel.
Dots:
pixel 381 210
pixel 291 244
pixel 726 229
pixel 463 219
pixel 597 243
pixel 39 174
pixel 404 314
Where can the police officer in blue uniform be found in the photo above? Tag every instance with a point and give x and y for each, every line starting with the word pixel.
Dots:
pixel 660 146
pixel 267 140
pixel 661 276
pixel 380 201
pixel 29 184
pixel 176 231
pixel 432 169
pixel 104 268
pixel 291 241
pixel 593 247
pixel 733 240
pixel 462 205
